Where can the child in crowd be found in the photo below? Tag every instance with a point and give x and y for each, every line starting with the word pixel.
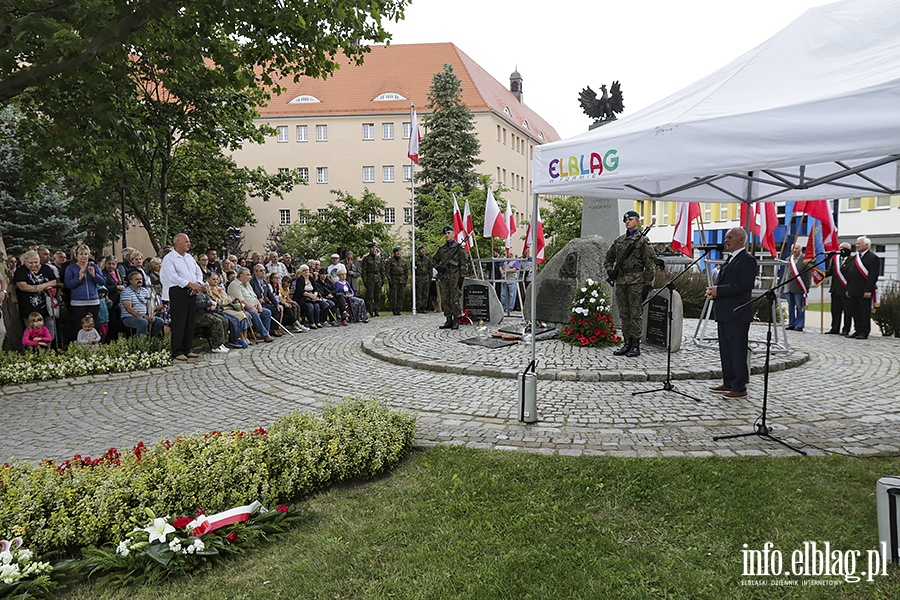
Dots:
pixel 36 333
pixel 88 336
pixel 103 315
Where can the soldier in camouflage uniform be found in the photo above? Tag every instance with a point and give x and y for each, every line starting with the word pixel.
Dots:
pixel 451 265
pixel 397 273
pixel 372 271
pixel 423 280
pixel 633 282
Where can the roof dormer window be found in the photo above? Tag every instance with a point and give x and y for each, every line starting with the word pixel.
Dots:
pixel 506 111
pixel 388 96
pixel 525 124
pixel 304 99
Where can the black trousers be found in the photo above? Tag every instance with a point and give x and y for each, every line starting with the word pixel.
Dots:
pixel 862 314
pixel 733 339
pixel 841 309
pixel 184 319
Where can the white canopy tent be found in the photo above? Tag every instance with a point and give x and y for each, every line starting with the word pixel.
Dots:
pixel 812 113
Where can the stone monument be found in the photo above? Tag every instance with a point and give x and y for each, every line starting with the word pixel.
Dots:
pixel 656 317
pixel 480 299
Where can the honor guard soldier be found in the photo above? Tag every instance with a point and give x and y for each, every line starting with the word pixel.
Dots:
pixel 450 263
pixel 373 278
pixel 397 274
pixel 631 264
pixel 423 279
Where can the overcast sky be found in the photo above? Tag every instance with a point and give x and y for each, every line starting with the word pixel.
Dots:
pixel 653 47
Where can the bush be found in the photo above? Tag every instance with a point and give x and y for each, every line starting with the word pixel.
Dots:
pixel 887 314
pixel 692 288
pixel 138 353
pixel 84 502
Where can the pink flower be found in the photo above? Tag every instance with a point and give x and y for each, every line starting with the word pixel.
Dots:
pixel 232 537
pixel 593 339
pixel 282 509
pixel 584 341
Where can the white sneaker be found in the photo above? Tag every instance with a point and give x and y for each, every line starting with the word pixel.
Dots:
pixel 303 328
pixel 220 350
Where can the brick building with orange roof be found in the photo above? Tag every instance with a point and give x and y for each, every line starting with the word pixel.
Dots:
pixel 351 132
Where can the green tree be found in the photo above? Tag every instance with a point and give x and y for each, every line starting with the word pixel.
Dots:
pixel 561 217
pixel 347 223
pixel 449 150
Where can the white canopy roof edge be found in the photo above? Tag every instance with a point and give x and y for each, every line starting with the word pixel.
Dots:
pixel 812 113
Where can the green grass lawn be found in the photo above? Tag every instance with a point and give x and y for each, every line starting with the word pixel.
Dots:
pixel 459 523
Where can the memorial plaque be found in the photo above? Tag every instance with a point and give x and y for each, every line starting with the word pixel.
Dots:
pixel 480 299
pixel 553 299
pixel 657 321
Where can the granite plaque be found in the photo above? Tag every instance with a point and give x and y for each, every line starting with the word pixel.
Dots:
pixel 480 299
pixel 656 320
pixel 553 299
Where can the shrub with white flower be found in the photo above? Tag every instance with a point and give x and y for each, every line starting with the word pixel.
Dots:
pixel 591 321
pixel 18 568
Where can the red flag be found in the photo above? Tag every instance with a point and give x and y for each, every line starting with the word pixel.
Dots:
pixel 510 225
pixel 820 210
pixel 494 220
pixel 763 222
pixel 681 241
pixel 468 225
pixel 815 254
pixel 539 255
pixel 458 229
pixel 414 136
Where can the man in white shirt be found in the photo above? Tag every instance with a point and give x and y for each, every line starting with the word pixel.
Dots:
pixel 181 279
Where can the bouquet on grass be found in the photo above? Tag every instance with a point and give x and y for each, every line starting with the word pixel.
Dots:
pixel 591 323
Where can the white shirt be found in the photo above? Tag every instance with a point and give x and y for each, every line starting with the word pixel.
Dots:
pixel 178 271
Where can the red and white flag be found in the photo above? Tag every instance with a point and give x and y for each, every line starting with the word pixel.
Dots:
pixel 763 222
pixel 539 255
pixel 820 210
pixel 510 225
pixel 414 136
pixel 468 226
pixel 495 223
pixel 459 233
pixel 681 241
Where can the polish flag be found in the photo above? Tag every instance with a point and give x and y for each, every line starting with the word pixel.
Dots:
pixel 458 229
pixel 468 226
pixel 681 241
pixel 510 225
pixel 539 255
pixel 414 136
pixel 821 211
pixel 763 222
pixel 495 224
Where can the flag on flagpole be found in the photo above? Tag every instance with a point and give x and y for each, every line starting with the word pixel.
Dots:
pixel 510 225
pixel 681 241
pixel 815 254
pixel 494 220
pixel 414 137
pixel 821 211
pixel 539 255
pixel 458 229
pixel 763 222
pixel 468 226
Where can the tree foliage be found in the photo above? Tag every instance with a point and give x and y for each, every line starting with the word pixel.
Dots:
pixel 449 150
pixel 561 218
pixel 347 223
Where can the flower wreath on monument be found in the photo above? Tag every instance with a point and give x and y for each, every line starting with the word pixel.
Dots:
pixel 591 323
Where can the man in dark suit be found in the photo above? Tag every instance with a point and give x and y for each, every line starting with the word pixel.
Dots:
pixel 862 275
pixel 734 287
pixel 267 297
pixel 838 267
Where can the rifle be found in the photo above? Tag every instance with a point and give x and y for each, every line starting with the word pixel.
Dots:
pixel 442 268
pixel 614 273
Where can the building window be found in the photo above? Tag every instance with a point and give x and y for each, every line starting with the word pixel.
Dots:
pixel 723 212
pixel 303 216
pixel 389 216
pixel 388 96
pixel 302 133
pixel 282 170
pixel 882 202
pixel 321 133
pixel 407 127
pixel 854 203
pixel 368 174
pixel 387 174
pixel 407 172
pixel 707 212
pixel 321 213
pixel 370 218
pixel 304 173
pixel 368 131
pixel 407 216
pixel 284 216
pixel 282 133
pixel 321 174
pixel 304 99
pixel 387 131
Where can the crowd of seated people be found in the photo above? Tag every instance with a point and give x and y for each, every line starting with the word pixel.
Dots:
pixel 56 301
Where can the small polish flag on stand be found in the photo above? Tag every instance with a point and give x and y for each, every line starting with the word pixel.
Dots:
pixel 681 241
pixel 414 137
pixel 459 233
pixel 510 225
pixel 495 223
pixel 539 255
pixel 468 226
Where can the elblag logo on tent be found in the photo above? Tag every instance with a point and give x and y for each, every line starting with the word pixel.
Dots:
pixel 573 167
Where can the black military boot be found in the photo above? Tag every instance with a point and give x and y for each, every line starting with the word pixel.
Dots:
pixel 446 324
pixel 625 347
pixel 454 323
pixel 635 349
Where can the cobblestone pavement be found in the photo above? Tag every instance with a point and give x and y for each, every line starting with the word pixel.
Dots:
pixel 828 394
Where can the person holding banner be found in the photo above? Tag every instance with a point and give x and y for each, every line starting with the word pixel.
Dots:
pixel 797 289
pixel 840 304
pixel 862 277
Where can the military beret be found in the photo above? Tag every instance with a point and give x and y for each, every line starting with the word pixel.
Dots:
pixel 396 248
pixel 447 228
pixel 421 246
pixel 630 213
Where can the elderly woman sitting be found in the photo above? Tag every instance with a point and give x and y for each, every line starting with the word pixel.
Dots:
pixel 137 308
pixel 260 317
pixel 229 308
pixel 305 295
pixel 356 306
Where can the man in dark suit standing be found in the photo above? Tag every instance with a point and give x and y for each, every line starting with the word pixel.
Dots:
pixel 734 287
pixel 840 303
pixel 862 275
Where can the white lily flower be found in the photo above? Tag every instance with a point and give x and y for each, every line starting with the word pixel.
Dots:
pixel 122 548
pixel 159 529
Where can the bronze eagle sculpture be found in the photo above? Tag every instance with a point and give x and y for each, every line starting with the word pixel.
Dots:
pixel 606 106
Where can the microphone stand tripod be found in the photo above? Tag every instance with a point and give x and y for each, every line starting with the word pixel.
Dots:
pixel 667 384
pixel 762 429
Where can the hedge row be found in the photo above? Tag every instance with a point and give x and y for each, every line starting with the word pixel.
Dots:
pixel 84 502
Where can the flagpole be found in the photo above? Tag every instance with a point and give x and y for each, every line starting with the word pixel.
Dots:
pixel 413 131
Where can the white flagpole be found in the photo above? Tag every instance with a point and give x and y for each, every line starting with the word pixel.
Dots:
pixel 413 130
